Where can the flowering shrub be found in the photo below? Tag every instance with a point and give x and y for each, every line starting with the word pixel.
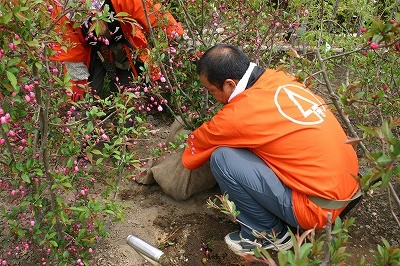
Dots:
pixel 61 162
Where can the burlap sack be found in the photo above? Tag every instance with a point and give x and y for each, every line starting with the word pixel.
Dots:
pixel 179 182
pixel 147 178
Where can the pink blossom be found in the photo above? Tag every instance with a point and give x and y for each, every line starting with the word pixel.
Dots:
pixel 3 120
pixel 1 111
pixel 374 45
pixel 27 87
pixel 104 137
pixel 2 141
pixel 159 108
pixel 27 98
pixel 11 133
pixel 32 223
pixel 12 46
pixel 162 79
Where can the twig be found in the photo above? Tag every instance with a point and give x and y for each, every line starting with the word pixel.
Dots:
pixel 8 145
pixel 334 98
pixel 396 198
pixel 344 117
pixel 328 240
pixel 187 18
pixel 164 72
pixel 343 54
pixel 44 130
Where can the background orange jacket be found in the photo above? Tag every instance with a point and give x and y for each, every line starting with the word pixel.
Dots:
pixel 294 133
pixel 136 35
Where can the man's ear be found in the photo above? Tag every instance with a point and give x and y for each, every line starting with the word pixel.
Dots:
pixel 229 86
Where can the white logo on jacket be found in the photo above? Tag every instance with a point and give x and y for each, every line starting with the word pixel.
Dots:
pixel 311 110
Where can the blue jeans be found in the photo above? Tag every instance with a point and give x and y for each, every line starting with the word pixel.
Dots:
pixel 264 202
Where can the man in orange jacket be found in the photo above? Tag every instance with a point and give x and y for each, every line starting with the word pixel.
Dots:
pixel 118 50
pixel 275 148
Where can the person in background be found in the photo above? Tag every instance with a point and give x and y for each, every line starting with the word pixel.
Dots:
pixel 119 48
pixel 275 148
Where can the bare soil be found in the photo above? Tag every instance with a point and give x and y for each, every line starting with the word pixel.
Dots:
pixel 158 218
pixel 181 228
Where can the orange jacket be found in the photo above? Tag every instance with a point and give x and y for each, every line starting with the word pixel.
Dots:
pixel 80 50
pixel 294 133
pixel 137 36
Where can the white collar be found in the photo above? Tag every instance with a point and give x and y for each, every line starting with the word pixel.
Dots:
pixel 241 86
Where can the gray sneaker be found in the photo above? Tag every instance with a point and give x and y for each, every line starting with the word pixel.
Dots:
pixel 241 245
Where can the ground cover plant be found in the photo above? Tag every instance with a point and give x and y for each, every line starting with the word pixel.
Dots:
pixel 63 162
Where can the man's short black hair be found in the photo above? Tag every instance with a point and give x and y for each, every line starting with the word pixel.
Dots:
pixel 221 62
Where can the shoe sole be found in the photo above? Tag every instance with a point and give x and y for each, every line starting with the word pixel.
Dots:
pixel 238 250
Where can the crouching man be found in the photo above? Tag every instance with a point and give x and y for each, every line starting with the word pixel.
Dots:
pixel 275 148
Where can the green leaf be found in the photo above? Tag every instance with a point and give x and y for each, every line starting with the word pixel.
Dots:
pixel 6 17
pixel 20 232
pixel 34 43
pixel 118 141
pixel 20 17
pixel 283 258
pixel 79 209
pixel 26 178
pixel 377 38
pixel 53 243
pixel 97 152
pixel 14 62
pixel 65 254
pixel 38 171
pixel 51 235
pixel 38 65
pixel 384 159
pixel 12 79
pixel 109 212
pixel 305 249
pixel 386 130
